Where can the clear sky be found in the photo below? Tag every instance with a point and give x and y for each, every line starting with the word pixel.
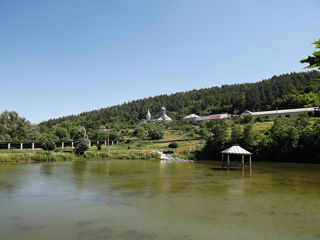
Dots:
pixel 62 57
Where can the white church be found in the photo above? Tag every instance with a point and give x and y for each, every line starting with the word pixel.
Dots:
pixel 163 116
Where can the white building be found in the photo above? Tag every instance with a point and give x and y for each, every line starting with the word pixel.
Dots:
pixel 163 116
pixel 283 113
pixel 148 116
pixel 190 118
pixel 213 117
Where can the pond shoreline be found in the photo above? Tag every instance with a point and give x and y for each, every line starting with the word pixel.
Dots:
pixel 51 157
pixel 27 157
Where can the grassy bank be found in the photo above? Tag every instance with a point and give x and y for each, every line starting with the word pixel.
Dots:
pixel 36 157
pixel 134 149
pixel 49 157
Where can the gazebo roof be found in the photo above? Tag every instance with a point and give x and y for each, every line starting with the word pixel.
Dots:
pixel 236 149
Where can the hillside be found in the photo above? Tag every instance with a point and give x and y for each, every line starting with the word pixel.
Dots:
pixel 284 91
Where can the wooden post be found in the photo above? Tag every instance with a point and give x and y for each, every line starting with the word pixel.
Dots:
pixel 250 161
pixel 21 146
pixel 32 146
pixel 9 146
pixel 71 144
pixel 62 144
pixel 228 161
pixel 243 161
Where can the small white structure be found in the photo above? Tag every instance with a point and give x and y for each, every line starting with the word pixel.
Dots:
pixel 163 116
pixel 283 113
pixel 148 116
pixel 235 150
pixel 213 117
pixel 190 118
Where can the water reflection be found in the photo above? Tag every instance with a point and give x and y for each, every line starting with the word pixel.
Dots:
pixel 106 200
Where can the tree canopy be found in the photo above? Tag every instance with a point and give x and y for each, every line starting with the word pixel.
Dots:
pixel 313 61
pixel 235 98
pixel 292 90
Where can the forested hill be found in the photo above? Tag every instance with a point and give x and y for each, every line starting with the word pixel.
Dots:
pixel 284 91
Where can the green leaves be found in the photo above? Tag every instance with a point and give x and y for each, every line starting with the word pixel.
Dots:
pixel 313 61
pixel 317 43
pixel 81 141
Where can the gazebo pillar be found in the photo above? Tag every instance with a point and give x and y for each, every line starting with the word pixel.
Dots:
pixel 243 161
pixel 239 151
pixel 222 160
pixel 228 161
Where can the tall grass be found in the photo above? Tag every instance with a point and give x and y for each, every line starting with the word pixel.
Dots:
pixel 48 157
pixel 36 157
pixel 115 155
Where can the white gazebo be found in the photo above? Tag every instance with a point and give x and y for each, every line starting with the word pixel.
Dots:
pixel 236 150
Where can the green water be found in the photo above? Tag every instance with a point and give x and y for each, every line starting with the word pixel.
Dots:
pixel 122 199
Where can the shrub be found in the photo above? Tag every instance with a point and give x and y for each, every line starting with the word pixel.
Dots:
pixel 173 145
pixel 140 132
pixel 81 141
pixel 48 146
pixel 155 132
pixel 99 146
pixel 247 119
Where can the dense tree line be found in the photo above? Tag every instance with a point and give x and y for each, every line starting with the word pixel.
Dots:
pixel 284 91
pixel 277 92
pixel 288 139
pixel 15 128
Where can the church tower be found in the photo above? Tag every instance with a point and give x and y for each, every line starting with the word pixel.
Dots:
pixel 163 116
pixel 148 116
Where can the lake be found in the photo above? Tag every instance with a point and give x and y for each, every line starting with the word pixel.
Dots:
pixel 137 199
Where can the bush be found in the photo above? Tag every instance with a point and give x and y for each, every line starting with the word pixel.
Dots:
pixel 48 146
pixel 81 141
pixel 155 132
pixel 173 145
pixel 140 132
pixel 247 119
pixel 99 146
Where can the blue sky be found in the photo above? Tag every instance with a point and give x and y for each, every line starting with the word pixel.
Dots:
pixel 64 57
